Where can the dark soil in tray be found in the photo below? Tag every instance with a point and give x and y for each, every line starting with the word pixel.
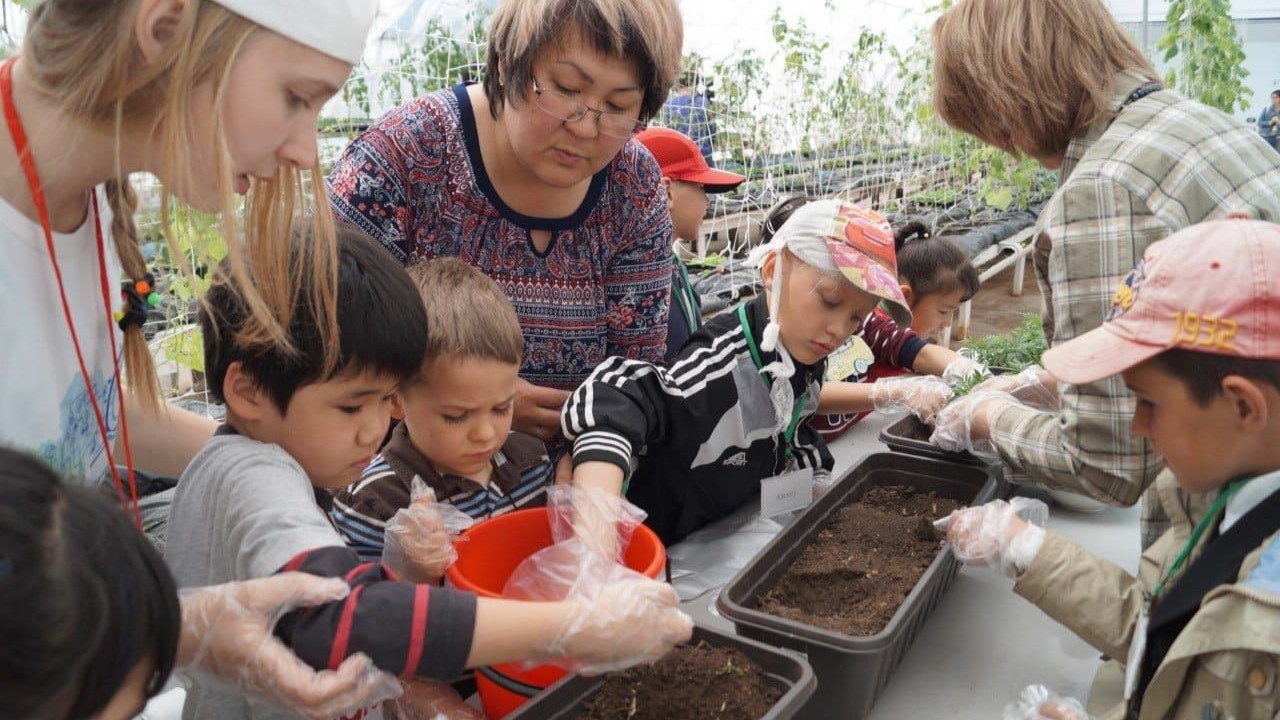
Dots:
pixel 863 563
pixel 920 431
pixel 691 683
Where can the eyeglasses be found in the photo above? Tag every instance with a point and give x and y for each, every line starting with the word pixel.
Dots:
pixel 562 107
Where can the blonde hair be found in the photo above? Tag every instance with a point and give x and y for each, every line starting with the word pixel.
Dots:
pixel 468 315
pixel 1029 75
pixel 649 33
pixel 82 55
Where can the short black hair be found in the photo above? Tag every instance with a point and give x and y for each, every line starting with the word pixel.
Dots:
pixel 1275 92
pixel 1202 373
pixel 932 264
pixel 84 597
pixel 382 325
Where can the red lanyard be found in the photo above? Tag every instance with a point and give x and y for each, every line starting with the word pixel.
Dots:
pixel 19 135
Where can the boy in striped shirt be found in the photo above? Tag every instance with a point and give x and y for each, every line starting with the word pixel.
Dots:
pixel 456 431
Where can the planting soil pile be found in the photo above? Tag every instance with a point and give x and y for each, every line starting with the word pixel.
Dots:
pixel 863 563
pixel 694 682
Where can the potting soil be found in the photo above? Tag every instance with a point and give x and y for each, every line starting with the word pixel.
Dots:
pixel 693 682
pixel 863 563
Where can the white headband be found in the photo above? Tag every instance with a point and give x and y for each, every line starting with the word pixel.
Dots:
pixel 809 248
pixel 338 28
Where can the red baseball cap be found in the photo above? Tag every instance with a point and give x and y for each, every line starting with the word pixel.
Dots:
pixel 681 159
pixel 1212 288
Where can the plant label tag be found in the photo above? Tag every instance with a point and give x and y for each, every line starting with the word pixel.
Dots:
pixel 1137 649
pixel 786 492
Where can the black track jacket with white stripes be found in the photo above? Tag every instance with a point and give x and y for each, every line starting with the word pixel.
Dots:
pixel 704 430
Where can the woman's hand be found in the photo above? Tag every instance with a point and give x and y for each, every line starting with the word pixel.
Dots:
pixel 227 633
pixel 537 409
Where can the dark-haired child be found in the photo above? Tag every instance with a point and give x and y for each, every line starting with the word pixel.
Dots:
pixel 252 503
pixel 1192 330
pixel 457 409
pixel 88 611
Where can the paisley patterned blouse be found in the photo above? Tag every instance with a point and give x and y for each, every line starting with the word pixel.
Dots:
pixel 415 182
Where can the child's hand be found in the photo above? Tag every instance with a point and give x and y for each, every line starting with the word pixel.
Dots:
pixel 963 368
pixel 1037 702
pixel 966 423
pixel 996 534
pixel 601 518
pixel 923 395
pixel 419 538
pixel 625 623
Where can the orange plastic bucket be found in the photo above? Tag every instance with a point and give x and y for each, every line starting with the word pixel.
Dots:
pixel 488 552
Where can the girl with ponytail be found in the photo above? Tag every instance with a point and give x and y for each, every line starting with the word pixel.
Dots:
pixel 215 98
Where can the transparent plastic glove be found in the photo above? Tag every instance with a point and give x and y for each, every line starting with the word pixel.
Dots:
pixel 1002 534
pixel 1027 386
pixel 963 425
pixel 419 538
pixel 603 521
pixel 621 618
pixel 962 369
pixel 432 700
pixel 1037 702
pixel 227 635
pixel 923 395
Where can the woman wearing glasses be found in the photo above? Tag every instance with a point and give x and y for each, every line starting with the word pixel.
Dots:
pixel 534 178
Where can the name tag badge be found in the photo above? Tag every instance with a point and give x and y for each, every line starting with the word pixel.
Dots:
pixel 1137 650
pixel 786 492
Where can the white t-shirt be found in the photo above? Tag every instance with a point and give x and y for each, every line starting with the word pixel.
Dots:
pixel 44 408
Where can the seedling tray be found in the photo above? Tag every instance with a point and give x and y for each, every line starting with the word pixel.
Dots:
pixel 565 699
pixel 853 671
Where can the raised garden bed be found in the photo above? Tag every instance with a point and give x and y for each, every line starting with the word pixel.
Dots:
pixel 853 670
pixel 717 676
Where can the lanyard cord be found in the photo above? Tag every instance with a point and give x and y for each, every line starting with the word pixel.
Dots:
pixel 789 434
pixel 1218 503
pixel 22 145
pixel 685 297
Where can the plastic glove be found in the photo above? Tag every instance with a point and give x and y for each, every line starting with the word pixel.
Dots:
pixel 603 521
pixel 227 635
pixel 1037 702
pixel 963 368
pixel 419 538
pixel 621 618
pixel 923 395
pixel 965 423
pixel 432 700
pixel 1003 534
pixel 1027 386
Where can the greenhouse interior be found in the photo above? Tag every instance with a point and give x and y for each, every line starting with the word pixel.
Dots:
pixel 629 359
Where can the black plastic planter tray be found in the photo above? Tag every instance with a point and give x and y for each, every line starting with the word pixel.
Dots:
pixel 565 699
pixel 911 436
pixel 852 671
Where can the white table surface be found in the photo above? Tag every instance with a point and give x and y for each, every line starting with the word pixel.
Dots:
pixel 982 644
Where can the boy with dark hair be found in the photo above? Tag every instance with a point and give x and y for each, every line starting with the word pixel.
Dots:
pixel 252 502
pixel 687 179
pixel 1192 330
pixel 457 408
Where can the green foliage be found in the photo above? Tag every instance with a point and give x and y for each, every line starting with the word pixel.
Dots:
pixel 968 383
pixel 1015 351
pixel 437 57
pixel 1202 37
pixel 1007 182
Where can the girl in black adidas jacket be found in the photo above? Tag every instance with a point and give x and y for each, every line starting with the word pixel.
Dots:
pixel 732 410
